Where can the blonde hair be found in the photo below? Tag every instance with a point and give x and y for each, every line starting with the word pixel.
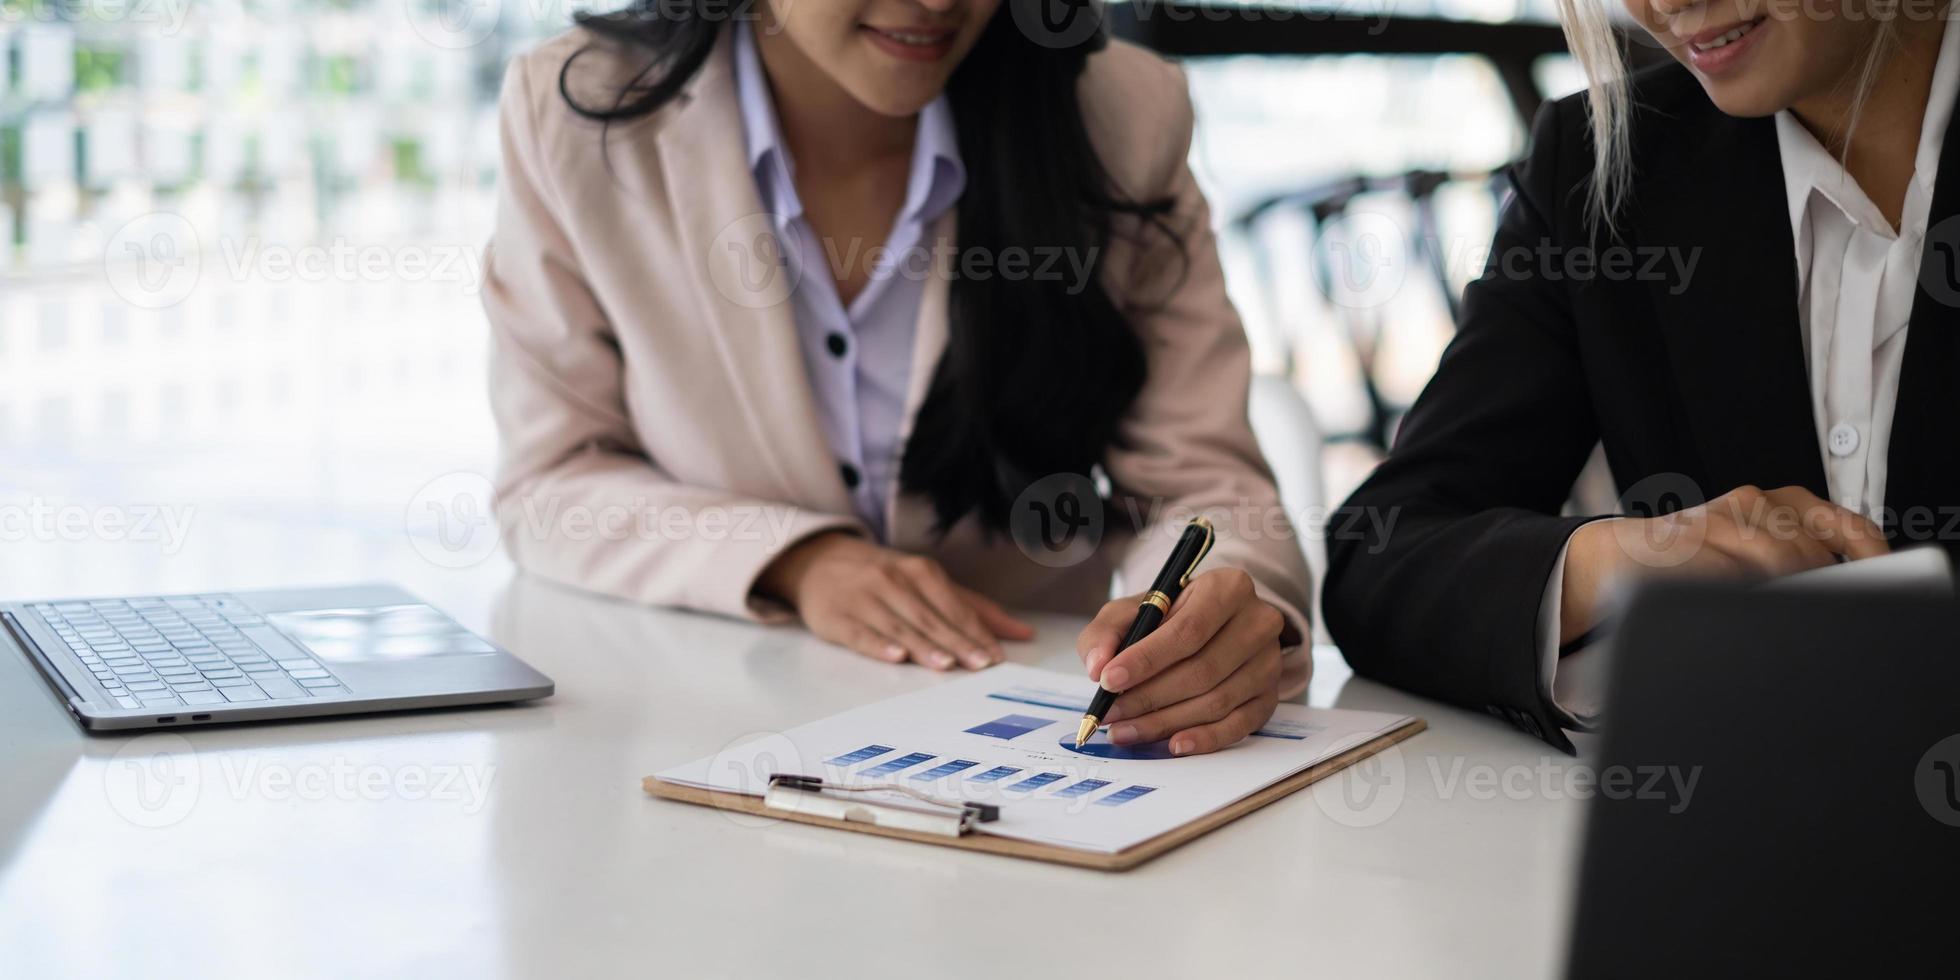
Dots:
pixel 1589 34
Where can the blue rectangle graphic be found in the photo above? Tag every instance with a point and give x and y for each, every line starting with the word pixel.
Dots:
pixel 1036 782
pixel 1060 702
pixel 1010 726
pixel 1083 788
pixel 853 758
pixel 945 769
pixel 1125 795
pixel 995 774
pixel 902 762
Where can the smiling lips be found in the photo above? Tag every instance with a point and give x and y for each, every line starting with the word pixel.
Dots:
pixel 1717 51
pixel 911 43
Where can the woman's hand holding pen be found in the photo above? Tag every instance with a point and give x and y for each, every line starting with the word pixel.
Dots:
pixel 1208 677
pixel 889 605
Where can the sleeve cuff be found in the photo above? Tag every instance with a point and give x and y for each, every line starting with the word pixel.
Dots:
pixel 1574 686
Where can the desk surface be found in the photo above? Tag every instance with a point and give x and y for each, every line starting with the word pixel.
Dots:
pixel 515 841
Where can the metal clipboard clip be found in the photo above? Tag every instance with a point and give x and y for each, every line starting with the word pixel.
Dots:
pixel 919 812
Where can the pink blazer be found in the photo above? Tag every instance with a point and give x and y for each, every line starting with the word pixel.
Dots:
pixel 659 441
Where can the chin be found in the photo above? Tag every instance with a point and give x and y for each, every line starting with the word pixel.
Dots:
pixel 1739 98
pixel 897 105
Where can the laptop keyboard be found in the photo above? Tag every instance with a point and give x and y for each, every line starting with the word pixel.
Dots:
pixel 175 651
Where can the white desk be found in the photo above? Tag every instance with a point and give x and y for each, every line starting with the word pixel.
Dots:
pixel 311 848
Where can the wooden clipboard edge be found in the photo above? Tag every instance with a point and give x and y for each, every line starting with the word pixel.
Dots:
pixel 1122 860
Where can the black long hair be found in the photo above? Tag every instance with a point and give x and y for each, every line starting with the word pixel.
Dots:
pixel 1038 371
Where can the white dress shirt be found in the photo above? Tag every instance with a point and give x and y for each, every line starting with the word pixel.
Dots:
pixel 1856 279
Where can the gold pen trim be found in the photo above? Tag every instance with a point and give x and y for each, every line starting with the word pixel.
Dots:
pixel 1158 599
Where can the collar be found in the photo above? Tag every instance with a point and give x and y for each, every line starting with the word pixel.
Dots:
pixel 937 175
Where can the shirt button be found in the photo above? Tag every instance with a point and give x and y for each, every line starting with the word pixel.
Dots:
pixel 850 475
pixel 1844 439
pixel 837 344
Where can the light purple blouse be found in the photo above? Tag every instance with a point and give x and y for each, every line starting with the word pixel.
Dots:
pixel 858 358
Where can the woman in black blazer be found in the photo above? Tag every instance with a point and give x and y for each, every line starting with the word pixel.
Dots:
pixel 1745 289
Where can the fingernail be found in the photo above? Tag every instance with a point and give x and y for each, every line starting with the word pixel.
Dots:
pixel 1116 678
pixel 941 659
pixel 894 653
pixel 975 660
pixel 1123 733
pixel 1182 746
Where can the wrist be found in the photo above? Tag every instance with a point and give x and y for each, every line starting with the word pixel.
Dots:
pixel 1591 561
pixel 783 578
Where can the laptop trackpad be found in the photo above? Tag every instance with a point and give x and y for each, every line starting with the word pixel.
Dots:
pixel 398 632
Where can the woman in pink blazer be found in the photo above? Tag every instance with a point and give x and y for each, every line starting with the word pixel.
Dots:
pixel 888 315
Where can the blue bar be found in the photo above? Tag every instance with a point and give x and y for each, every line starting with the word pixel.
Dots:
pixel 1287 730
pixel 946 769
pixel 995 774
pixel 902 762
pixel 1084 788
pixel 1125 795
pixel 1036 782
pixel 853 758
pixel 1010 726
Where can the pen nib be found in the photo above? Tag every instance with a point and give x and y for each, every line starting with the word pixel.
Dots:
pixel 1087 729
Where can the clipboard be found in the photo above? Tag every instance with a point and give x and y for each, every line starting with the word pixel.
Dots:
pixel 1122 860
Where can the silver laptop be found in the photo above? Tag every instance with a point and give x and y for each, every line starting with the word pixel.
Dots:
pixel 175 660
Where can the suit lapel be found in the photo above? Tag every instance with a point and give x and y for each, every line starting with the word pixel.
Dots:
pixel 1731 327
pixel 744 288
pixel 1923 468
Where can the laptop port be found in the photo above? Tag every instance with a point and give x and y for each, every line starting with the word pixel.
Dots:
pixel 166 719
pixel 200 717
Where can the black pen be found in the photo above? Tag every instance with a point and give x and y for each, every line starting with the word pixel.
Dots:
pixel 1178 569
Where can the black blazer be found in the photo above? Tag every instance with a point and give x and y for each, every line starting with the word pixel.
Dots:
pixel 1687 365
